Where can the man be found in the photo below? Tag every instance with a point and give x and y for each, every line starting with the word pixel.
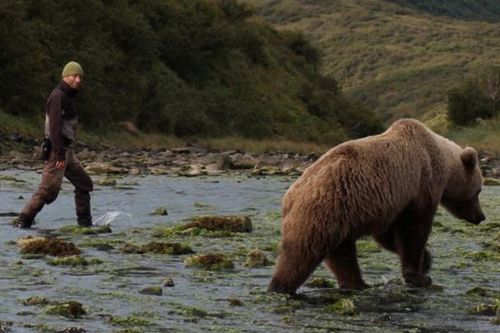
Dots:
pixel 60 128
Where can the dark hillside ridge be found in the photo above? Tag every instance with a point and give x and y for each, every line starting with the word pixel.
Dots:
pixel 469 10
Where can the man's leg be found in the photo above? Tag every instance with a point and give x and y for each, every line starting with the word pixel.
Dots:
pixel 83 186
pixel 47 192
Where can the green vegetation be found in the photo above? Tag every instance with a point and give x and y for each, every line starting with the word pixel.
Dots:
pixel 476 98
pixel 200 68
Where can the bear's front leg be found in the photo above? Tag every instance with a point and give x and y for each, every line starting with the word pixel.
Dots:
pixel 411 236
pixel 295 263
pixel 387 240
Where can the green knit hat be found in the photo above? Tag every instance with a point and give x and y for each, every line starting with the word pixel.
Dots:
pixel 72 68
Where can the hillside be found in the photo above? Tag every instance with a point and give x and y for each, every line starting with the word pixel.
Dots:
pixel 400 56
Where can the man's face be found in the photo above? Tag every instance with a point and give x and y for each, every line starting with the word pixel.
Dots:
pixel 73 81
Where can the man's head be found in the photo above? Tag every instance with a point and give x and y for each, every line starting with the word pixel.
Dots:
pixel 72 74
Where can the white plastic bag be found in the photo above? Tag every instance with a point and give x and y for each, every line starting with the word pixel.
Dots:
pixel 114 217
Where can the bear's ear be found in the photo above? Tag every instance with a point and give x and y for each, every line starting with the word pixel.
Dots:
pixel 469 158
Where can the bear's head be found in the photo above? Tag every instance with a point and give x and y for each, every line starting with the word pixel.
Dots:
pixel 461 195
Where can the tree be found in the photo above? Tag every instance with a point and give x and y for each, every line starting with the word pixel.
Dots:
pixel 490 84
pixel 466 103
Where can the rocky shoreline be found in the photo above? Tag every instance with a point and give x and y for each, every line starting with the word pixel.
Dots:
pixel 17 152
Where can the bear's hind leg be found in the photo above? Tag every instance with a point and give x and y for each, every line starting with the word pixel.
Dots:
pixel 343 262
pixel 295 264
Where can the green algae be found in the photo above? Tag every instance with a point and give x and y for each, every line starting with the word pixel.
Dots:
pixel 221 223
pixel 320 283
pixel 344 306
pixel 77 230
pixel 47 246
pixel 478 291
pixel 158 248
pixel 74 261
pixel 210 261
pixel 11 179
pixel 367 247
pixel 167 248
pixel 33 256
pixel 201 205
pixel 167 232
pixel 69 309
pixel 483 256
pixel 132 320
pixel 194 312
pixel 152 290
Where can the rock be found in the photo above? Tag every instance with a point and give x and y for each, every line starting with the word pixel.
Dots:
pixel 72 330
pixel 270 160
pixel 193 170
pixel 153 290
pixel 495 172
pixel 69 309
pixel 484 309
pixel 257 258
pixel 98 168
pixel 496 320
pixel 129 126
pixel 168 282
pixel 210 261
pixel 221 223
pixel 106 181
pixel 36 300
pixel 491 182
pixel 235 302
pixel 162 211
pixel 5 326
pixel 243 161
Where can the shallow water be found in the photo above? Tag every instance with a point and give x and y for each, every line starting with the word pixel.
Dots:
pixel 465 257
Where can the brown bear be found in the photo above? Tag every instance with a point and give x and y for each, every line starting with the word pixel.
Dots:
pixel 388 186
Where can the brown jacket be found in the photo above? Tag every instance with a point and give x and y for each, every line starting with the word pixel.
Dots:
pixel 61 118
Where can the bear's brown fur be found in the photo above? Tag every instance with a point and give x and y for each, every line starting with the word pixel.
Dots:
pixel 387 186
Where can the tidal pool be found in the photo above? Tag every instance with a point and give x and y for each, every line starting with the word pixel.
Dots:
pixel 111 287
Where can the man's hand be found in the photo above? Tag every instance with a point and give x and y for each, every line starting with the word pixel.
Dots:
pixel 60 164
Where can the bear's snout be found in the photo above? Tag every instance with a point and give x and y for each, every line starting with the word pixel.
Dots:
pixel 480 218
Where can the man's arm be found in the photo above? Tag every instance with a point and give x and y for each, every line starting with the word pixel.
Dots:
pixel 55 114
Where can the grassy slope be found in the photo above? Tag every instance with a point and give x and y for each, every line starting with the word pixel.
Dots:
pixel 399 60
